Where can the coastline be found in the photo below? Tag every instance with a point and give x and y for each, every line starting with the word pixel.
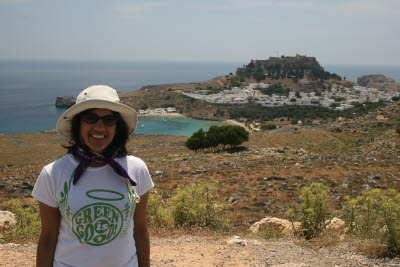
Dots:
pixel 235 122
pixel 173 115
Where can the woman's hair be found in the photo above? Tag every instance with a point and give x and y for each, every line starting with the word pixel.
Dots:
pixel 117 147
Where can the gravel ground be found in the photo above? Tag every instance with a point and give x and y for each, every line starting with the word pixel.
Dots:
pixel 218 251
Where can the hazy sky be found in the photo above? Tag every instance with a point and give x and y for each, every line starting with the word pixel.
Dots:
pixel 334 31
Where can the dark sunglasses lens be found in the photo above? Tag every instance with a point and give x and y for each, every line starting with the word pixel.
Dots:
pixel 109 120
pixel 90 118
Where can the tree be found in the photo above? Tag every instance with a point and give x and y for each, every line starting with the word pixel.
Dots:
pixel 218 136
pixel 259 76
pixel 196 141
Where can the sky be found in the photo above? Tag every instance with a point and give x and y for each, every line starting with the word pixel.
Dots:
pixel 360 32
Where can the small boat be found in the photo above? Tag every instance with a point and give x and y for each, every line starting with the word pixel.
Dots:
pixel 142 125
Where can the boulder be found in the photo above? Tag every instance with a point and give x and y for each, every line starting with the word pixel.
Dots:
pixel 281 226
pixel 7 220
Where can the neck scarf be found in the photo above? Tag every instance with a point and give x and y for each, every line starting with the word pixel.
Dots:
pixel 85 160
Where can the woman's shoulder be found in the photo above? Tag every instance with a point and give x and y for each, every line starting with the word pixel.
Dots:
pixel 64 162
pixel 134 160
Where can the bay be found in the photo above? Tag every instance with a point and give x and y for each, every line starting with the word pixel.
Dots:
pixel 28 89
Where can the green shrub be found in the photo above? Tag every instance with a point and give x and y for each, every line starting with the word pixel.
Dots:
pixel 313 210
pixel 28 224
pixel 268 126
pixel 197 205
pixel 375 215
pixel 158 212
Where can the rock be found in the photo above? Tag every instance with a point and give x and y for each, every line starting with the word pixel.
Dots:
pixel 336 225
pixel 381 118
pixel 281 226
pixel 336 129
pixel 7 220
pixel 235 240
pixel 65 101
pixel 158 173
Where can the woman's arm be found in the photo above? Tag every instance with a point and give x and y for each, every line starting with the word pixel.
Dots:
pixel 50 218
pixel 141 232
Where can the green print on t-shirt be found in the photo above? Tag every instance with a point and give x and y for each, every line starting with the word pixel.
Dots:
pixel 97 224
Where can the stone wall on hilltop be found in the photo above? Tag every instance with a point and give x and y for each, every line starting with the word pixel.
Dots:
pixel 286 67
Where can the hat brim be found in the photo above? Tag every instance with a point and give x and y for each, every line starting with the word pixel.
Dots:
pixel 127 113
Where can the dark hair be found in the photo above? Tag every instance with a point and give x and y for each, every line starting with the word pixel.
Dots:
pixel 117 147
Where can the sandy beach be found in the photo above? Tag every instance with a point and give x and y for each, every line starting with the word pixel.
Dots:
pixel 173 115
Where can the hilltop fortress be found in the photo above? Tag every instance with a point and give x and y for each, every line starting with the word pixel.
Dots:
pixel 297 67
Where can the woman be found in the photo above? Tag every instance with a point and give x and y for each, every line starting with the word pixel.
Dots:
pixel 93 200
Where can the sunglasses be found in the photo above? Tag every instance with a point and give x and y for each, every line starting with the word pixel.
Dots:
pixel 91 118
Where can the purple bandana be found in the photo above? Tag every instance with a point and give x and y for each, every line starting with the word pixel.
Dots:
pixel 85 160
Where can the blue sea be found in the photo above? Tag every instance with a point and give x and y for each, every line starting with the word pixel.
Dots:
pixel 28 89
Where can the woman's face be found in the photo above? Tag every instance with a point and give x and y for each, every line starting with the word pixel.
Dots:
pixel 97 136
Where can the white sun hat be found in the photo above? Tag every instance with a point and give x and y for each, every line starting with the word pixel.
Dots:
pixel 97 96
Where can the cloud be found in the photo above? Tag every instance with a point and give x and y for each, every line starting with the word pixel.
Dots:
pixel 372 7
pixel 343 7
pixel 13 2
pixel 252 4
pixel 135 10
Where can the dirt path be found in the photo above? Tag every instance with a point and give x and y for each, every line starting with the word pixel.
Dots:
pixel 210 251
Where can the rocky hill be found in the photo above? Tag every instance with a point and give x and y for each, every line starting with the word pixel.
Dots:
pixel 379 81
pixel 299 67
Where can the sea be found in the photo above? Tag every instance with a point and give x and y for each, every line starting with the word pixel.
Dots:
pixel 28 89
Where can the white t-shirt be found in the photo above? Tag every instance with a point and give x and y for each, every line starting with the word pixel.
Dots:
pixel 96 227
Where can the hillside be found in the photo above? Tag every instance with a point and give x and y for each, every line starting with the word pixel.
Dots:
pixel 379 81
pixel 264 178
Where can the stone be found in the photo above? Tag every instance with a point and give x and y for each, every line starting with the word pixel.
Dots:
pixel 291 265
pixel 336 225
pixel 281 226
pixel 235 240
pixel 7 220
pixel 157 173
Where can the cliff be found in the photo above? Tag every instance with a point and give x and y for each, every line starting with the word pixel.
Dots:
pixel 379 81
pixel 65 101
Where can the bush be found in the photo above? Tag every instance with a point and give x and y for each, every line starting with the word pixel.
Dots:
pixel 28 224
pixel 375 215
pixel 197 205
pixel 158 212
pixel 313 210
pixel 268 126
